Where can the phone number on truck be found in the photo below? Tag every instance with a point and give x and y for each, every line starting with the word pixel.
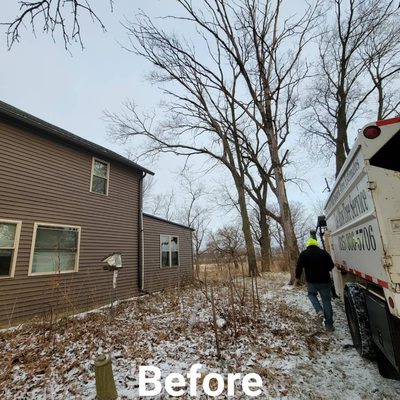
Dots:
pixel 359 240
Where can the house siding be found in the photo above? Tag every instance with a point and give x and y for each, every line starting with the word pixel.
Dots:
pixel 155 277
pixel 45 180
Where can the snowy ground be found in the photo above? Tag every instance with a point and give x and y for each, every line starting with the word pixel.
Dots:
pixel 42 361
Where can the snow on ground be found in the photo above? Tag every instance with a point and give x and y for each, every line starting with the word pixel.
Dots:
pixel 173 331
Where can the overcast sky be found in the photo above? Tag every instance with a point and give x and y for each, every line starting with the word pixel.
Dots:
pixel 72 89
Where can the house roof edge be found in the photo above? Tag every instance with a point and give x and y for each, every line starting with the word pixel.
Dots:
pixel 13 113
pixel 169 222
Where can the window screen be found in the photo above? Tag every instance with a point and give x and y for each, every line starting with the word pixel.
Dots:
pixel 55 250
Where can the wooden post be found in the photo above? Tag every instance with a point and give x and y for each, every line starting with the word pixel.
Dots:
pixel 105 385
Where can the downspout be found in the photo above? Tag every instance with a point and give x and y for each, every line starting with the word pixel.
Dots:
pixel 141 235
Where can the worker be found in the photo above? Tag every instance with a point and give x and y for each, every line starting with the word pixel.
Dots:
pixel 317 264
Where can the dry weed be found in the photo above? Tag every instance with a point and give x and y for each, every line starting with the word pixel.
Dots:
pixel 39 355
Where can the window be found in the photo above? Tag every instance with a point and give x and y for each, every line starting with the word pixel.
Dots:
pixel 169 247
pixel 100 175
pixel 9 239
pixel 54 249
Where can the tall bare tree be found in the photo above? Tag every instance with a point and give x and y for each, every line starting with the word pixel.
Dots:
pixel 341 89
pixel 228 103
pixel 273 57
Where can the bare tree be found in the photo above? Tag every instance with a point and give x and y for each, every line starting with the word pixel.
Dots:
pixel 302 222
pixel 277 237
pixel 201 111
pixel 340 90
pixel 52 16
pixel 273 93
pixel 380 53
pixel 161 205
pixel 148 188
pixel 227 106
pixel 227 244
pixel 195 214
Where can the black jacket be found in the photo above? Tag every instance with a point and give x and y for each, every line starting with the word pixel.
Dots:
pixel 316 263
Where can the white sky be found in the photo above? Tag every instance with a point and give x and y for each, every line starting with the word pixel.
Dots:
pixel 71 90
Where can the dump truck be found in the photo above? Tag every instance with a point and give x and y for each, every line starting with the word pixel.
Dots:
pixel 362 226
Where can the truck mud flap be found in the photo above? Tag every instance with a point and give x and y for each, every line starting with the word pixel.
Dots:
pixel 380 325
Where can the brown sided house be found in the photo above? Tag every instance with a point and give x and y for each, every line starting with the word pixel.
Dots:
pixel 65 204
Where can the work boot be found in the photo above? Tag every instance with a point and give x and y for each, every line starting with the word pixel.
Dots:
pixel 330 328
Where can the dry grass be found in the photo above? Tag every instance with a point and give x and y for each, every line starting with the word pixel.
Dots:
pixel 41 354
pixel 223 271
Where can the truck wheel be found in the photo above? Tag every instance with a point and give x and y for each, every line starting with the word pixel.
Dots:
pixel 357 318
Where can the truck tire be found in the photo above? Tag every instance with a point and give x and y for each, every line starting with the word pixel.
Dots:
pixel 357 318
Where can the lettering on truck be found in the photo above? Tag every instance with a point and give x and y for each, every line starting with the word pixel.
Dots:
pixel 343 183
pixel 361 239
pixel 354 206
pixel 351 208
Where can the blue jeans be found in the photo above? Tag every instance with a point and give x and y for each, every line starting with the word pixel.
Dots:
pixel 324 290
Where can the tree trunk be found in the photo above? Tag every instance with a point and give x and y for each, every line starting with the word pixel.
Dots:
pixel 291 246
pixel 248 238
pixel 265 243
pixel 340 152
pixel 380 100
pixel 197 263
pixel 341 131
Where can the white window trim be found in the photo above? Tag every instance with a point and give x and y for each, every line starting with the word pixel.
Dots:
pixel 16 245
pixel 76 266
pixel 92 174
pixel 170 252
